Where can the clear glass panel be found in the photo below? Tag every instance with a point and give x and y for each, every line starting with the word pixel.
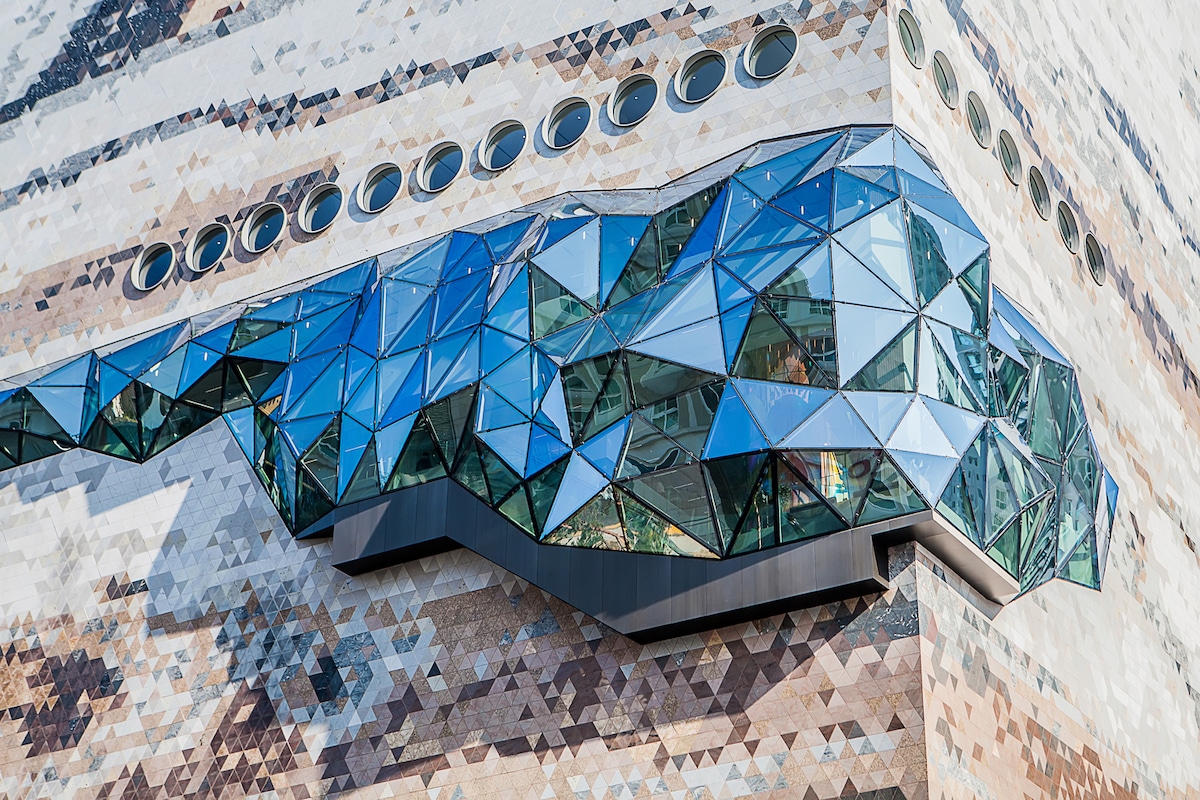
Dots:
pixel 731 481
pixel 894 369
pixel 680 496
pixel 802 512
pixel 769 352
pixel 890 495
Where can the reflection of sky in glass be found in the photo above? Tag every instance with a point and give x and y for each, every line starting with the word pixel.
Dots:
pixel 569 124
pixel 505 146
pixel 635 101
pixel 324 209
pixel 155 268
pixel 267 228
pixel 382 189
pixel 703 77
pixel 444 167
pixel 211 247
pixel 773 53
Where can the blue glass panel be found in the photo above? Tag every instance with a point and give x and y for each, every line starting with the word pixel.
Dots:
pixel 276 346
pixel 76 373
pixel 909 160
pixel 283 309
pixel 733 327
pixel 948 209
pixel 460 303
pixel 313 302
pixel 424 267
pixel 771 228
pixel 328 329
pixel 502 240
pixel 730 290
pixel 811 277
pixel 580 483
pixel 544 449
pixel 960 426
pixel 854 283
pixel 779 408
pixel 604 449
pixel 854 198
pixel 696 301
pixel 811 201
pixel 918 432
pixel 881 411
pixel 1020 324
pixel 241 425
pixel 557 229
pixel 408 397
pixel 703 241
pixel 352 447
pixel 64 403
pixel 510 443
pixel 734 430
pixel 361 403
pixel 218 338
pixel 597 340
pixel 136 358
pixel 511 312
pixel 574 262
pixel 700 346
pixel 389 442
pixel 497 347
pixel 553 410
pixel 513 380
pixel 878 152
pixel 358 366
pixel 496 412
pixel 759 268
pixel 460 244
pixel 301 433
pixel 163 377
pixel 473 262
pixel 393 372
pixel 862 333
pixel 619 237
pixel 779 174
pixel 958 248
pixel 834 425
pixel 197 361
pixel 741 206
pixel 353 281
pixel 447 376
pixel 324 395
pixel 879 242
pixel 111 383
pixel 303 374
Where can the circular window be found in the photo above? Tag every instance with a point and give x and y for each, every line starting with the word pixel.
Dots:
pixel 153 265
pixel 208 247
pixel 1039 193
pixel 567 122
pixel 503 145
pixel 440 166
pixel 632 100
pixel 1010 157
pixel 770 51
pixel 700 76
pixel 910 38
pixel 320 208
pixel 943 76
pixel 1095 259
pixel 977 118
pixel 1067 227
pixel 379 188
pixel 263 227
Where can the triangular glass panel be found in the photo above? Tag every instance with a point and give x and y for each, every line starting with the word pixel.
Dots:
pixel 960 426
pixel 544 448
pixel 464 370
pixel 389 443
pixel 1080 567
pixel 780 173
pixel 918 432
pixel 580 483
pixel 770 352
pixel 854 198
pixel 741 206
pixel 843 478
pixel 405 314
pixel 554 308
pixel 944 246
pixel 449 420
pixel 916 165
pixel 605 448
pixel 136 358
pixel 731 481
pixel 854 283
pixel 879 241
pixel 419 461
pixel 64 403
pixel 779 408
pixel 511 312
pixel 301 433
pixel 1006 549
pixel 595 525
pixel 502 241
pixel 702 241
pixel 473 261
pixel 881 411
pixel 496 348
pixel 863 333
pixel 574 262
pixel 803 514
pixel 811 277
pixel 773 228
pixel 653 379
pixel 460 304
pixel 730 290
pixel 733 327
pixel 407 398
pixel 680 496
pixel 696 301
pixel 733 429
pixel 811 201
pixel 758 529
pixel 893 369
pixel 759 268
pixel 649 449
pixel 699 346
pixel 619 237
pixel 516 510
pixel 833 425
pixel 890 495
pixel 241 425
pixel 321 459
pixel 423 267
pixel 952 308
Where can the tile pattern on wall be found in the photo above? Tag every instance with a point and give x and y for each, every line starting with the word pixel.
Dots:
pixel 222 658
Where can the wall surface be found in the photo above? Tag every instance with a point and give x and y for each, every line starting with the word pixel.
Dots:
pixel 1068 690
pixel 161 635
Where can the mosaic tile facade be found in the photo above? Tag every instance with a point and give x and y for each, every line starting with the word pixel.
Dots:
pixel 164 636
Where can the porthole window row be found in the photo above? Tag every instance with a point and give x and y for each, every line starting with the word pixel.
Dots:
pixel 979 123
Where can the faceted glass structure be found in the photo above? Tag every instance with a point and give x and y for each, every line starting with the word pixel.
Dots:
pixel 799 339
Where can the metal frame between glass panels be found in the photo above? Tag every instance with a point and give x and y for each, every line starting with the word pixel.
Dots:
pixel 799 339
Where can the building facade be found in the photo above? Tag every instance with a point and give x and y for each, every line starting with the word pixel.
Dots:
pixel 470 400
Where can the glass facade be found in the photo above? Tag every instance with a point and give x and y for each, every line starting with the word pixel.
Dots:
pixel 799 339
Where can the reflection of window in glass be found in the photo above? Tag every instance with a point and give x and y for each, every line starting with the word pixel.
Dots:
pixel 665 414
